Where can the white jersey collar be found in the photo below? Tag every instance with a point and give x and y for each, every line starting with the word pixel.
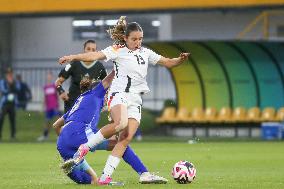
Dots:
pixel 88 66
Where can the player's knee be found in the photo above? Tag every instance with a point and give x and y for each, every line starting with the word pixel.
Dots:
pixel 127 140
pixel 121 124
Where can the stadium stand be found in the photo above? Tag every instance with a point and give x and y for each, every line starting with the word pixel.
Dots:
pixel 167 116
pixel 210 114
pixel 224 115
pixel 239 115
pixel 182 116
pixel 280 115
pixel 197 115
pixel 253 115
pixel 268 114
pixel 238 120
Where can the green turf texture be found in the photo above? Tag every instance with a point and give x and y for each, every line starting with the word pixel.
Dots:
pixel 219 165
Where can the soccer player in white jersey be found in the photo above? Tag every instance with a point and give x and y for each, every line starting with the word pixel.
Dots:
pixel 130 64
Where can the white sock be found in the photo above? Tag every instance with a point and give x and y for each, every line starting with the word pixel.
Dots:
pixel 95 139
pixel 111 164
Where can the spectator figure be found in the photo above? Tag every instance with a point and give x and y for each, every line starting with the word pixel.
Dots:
pixel 24 93
pixel 8 98
pixel 51 106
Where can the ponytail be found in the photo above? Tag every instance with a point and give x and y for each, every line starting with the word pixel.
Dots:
pixel 117 33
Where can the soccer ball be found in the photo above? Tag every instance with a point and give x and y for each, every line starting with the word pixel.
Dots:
pixel 184 172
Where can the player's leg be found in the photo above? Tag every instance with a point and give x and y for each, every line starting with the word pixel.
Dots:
pixel 12 118
pixel 134 161
pixel 3 112
pixel 119 116
pixel 129 155
pixel 83 174
pixel 134 115
pixel 138 135
pixel 48 117
pixel 66 147
pixel 118 151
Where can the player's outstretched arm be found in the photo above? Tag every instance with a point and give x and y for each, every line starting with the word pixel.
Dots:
pixel 57 125
pixel 108 79
pixel 172 62
pixel 93 174
pixel 87 57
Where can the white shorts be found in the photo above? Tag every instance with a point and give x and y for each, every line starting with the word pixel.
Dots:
pixel 132 101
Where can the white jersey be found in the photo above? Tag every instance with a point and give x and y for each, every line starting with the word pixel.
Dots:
pixel 130 68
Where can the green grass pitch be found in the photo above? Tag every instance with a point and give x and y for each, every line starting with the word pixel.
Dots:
pixel 220 164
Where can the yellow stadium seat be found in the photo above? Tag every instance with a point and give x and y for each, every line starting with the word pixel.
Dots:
pixel 253 115
pixel 210 114
pixel 224 115
pixel 197 115
pixel 168 114
pixel 268 114
pixel 181 116
pixel 239 115
pixel 280 115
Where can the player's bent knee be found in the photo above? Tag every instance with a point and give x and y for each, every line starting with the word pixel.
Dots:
pixel 121 124
pixel 127 140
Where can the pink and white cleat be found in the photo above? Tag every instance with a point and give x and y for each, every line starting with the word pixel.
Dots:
pixel 108 181
pixel 81 153
pixel 105 182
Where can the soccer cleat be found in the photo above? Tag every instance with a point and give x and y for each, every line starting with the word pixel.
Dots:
pixel 81 153
pixel 42 138
pixel 68 166
pixel 149 178
pixel 107 181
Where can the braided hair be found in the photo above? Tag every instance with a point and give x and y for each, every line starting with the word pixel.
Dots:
pixel 85 84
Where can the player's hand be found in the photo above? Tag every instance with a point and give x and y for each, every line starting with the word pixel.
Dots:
pixel 64 96
pixel 65 59
pixel 184 56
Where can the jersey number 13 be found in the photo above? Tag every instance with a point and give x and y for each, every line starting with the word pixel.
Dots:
pixel 139 58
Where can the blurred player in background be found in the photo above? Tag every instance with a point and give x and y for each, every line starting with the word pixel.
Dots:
pixel 8 101
pixel 76 70
pixel 81 125
pixel 24 92
pixel 130 63
pixel 51 105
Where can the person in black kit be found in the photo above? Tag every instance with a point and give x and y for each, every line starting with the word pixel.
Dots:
pixel 24 93
pixel 77 70
pixel 8 98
